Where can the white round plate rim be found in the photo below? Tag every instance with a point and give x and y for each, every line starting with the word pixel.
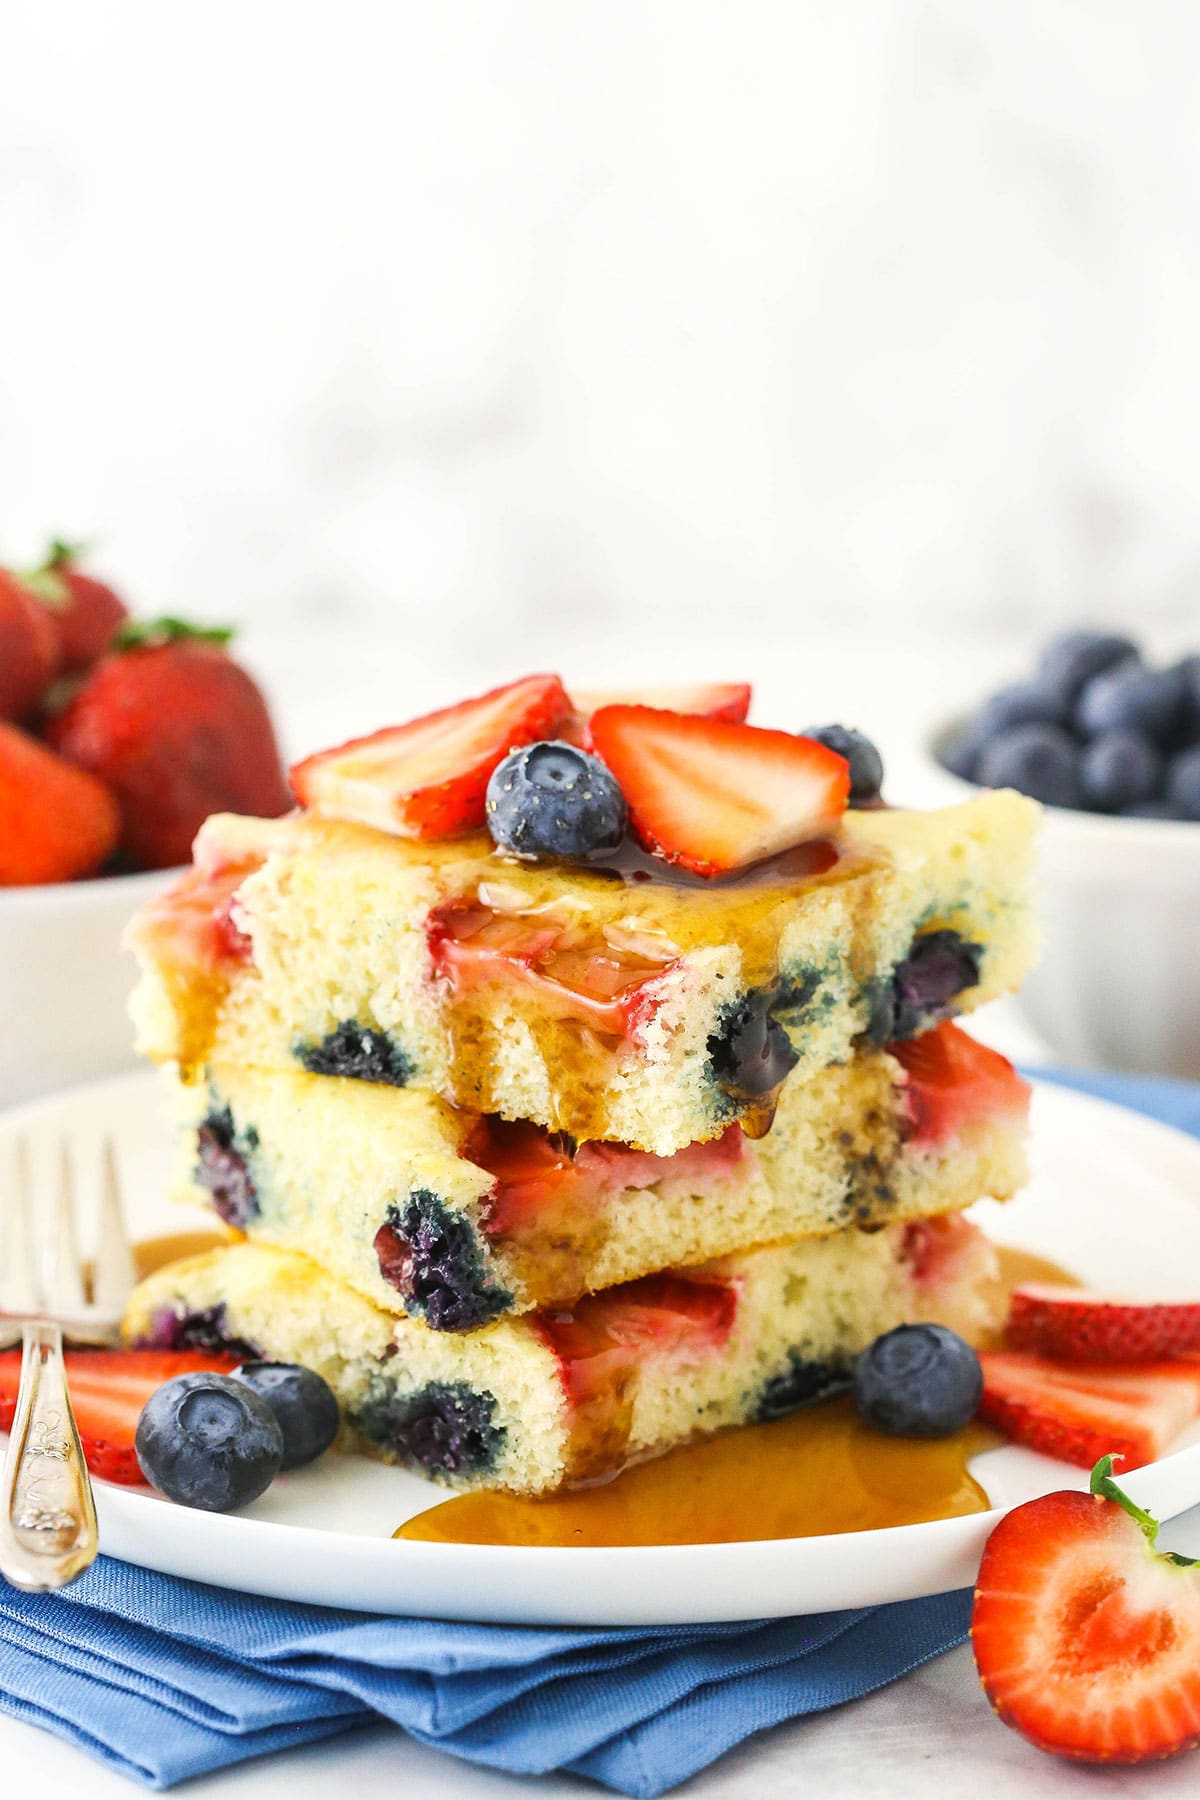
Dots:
pixel 631 1586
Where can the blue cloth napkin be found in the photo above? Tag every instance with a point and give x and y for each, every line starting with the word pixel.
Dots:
pixel 164 1679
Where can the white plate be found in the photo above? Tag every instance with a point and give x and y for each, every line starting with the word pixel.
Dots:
pixel 1115 1198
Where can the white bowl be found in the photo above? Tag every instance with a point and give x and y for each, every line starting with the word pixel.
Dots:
pixel 1118 986
pixel 65 981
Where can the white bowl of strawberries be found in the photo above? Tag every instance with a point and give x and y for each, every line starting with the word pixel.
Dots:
pixel 117 739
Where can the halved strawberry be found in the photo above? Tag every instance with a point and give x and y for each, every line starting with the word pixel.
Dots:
pixel 708 700
pixel 954 1081
pixel 108 1391
pixel 1086 1637
pixel 716 796
pixel 1077 1413
pixel 1078 1326
pixel 429 778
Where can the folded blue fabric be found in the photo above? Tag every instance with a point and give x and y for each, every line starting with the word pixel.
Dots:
pixel 165 1679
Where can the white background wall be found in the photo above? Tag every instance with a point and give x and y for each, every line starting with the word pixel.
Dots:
pixel 507 318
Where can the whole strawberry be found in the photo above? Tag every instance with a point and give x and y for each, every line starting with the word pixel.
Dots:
pixel 177 731
pixel 29 649
pixel 57 823
pixel 86 611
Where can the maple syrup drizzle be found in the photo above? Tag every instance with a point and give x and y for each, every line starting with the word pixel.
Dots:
pixel 635 866
pixel 586 946
pixel 817 1472
pixel 191 935
pixel 583 1033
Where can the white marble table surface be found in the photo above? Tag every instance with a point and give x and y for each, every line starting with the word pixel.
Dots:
pixel 930 1734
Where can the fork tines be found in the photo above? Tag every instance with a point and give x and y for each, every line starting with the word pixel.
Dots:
pixel 41 1272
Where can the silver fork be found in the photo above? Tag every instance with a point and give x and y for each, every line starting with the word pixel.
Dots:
pixel 48 1531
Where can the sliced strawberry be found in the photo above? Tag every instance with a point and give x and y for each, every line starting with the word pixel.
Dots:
pixel 937 1250
pixel 617 1166
pixel 538 1178
pixel 604 1337
pixel 428 779
pixel 1077 1326
pixel 572 974
pixel 707 700
pixel 716 796
pixel 193 926
pixel 954 1081
pixel 1086 1637
pixel 108 1391
pixel 534 1171
pixel 1076 1413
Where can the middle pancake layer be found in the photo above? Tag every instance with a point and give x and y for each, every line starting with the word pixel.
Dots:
pixel 456 1219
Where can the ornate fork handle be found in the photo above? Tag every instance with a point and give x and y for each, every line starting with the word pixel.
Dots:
pixel 48 1532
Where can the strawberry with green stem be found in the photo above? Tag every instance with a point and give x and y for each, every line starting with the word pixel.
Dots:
pixel 86 611
pixel 1086 1636
pixel 177 730
pixel 30 649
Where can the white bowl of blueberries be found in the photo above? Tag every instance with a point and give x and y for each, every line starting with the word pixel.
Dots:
pixel 1111 746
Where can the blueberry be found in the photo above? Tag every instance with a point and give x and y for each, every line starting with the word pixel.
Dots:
pixel 432 1257
pixel 918 1381
pixel 208 1441
pixel 550 799
pixel 866 764
pixel 1132 698
pixel 446 1427
pixel 1040 760
pixel 940 966
pixel 1149 809
pixel 961 752
pixel 1183 784
pixel 171 1328
pixel 304 1405
pixel 223 1168
pixel 1119 770
pixel 750 1052
pixel 800 1383
pixel 1071 660
pixel 357 1053
pixel 1187 673
pixel 1021 703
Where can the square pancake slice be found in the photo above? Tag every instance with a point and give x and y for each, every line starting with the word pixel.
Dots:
pixel 457 1218
pixel 626 1002
pixel 532 1403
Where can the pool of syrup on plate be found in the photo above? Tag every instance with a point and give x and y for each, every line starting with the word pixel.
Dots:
pixel 816 1472
pixel 152 1254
